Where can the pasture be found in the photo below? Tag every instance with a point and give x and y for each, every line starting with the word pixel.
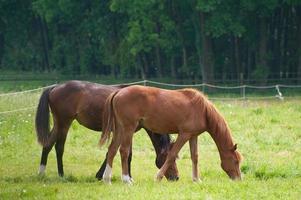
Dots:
pixel 268 133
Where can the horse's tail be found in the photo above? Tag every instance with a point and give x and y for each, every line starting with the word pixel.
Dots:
pixel 42 119
pixel 108 121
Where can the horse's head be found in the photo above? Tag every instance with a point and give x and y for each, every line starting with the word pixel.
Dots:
pixel 171 173
pixel 231 162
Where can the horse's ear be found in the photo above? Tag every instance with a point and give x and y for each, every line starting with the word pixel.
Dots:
pixel 234 147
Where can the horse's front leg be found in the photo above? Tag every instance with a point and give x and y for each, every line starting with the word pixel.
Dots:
pixel 172 154
pixel 193 144
pixel 125 150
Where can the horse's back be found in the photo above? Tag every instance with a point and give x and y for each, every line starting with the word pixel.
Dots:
pixel 157 109
pixel 80 100
pixel 153 97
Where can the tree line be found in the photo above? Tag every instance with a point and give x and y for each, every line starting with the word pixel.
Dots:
pixel 204 40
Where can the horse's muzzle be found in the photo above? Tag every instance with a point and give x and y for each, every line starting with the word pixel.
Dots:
pixel 236 178
pixel 173 178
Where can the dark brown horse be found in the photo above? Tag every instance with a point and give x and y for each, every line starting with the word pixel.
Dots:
pixel 186 112
pixel 83 101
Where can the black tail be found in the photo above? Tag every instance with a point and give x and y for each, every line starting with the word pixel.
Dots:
pixel 42 119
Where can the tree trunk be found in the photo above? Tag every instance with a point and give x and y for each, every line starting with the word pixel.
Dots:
pixel 158 61
pixel 262 59
pixel 249 61
pixel 145 65
pixel 282 35
pixel 298 9
pixel 176 16
pixel 173 67
pixel 277 65
pixel 112 70
pixel 261 62
pixel 114 47
pixel 237 58
pixel 299 58
pixel 207 59
pixel 45 42
pixel 77 66
pixel 139 65
pixel 197 41
pixel 159 71
pixel 184 59
pixel 1 48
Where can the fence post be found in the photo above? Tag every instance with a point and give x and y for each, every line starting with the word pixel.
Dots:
pixel 241 78
pixel 279 95
pixel 144 82
pixel 244 92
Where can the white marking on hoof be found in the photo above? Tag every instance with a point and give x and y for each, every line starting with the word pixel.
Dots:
pixel 196 180
pixel 159 177
pixel 107 175
pixel 42 169
pixel 127 179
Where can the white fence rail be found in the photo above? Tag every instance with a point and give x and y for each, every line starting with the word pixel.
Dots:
pixel 241 90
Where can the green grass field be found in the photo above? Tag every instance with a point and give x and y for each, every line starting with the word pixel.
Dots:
pixel 268 134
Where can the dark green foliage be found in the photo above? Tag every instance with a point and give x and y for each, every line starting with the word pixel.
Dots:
pixel 203 40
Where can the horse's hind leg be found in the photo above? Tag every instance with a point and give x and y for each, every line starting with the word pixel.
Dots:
pixel 125 150
pixel 101 171
pixel 102 168
pixel 130 160
pixel 107 174
pixel 46 151
pixel 59 146
pixel 44 158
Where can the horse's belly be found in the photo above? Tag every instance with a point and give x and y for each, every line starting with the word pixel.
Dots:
pixel 160 126
pixel 91 120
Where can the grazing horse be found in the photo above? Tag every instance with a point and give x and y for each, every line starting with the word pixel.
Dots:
pixel 83 101
pixel 186 112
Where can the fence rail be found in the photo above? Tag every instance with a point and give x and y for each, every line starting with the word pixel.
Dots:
pixel 276 94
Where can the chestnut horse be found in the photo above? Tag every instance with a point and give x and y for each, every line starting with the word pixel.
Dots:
pixel 186 112
pixel 83 101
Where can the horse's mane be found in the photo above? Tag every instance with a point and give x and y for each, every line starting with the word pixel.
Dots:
pixel 217 125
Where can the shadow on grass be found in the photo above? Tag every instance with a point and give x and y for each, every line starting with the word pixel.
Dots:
pixel 50 179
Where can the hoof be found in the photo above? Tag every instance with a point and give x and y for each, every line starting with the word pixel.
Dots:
pixel 158 177
pixel 132 180
pixel 41 171
pixel 107 180
pixel 196 180
pixel 127 179
pixel 99 176
pixel 107 175
pixel 128 182
pixel 173 178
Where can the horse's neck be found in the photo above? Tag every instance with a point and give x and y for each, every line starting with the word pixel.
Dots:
pixel 220 133
pixel 160 142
